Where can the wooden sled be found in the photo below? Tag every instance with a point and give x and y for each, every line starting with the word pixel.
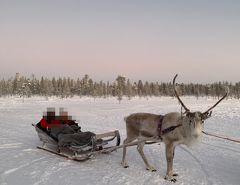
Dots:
pixel 100 143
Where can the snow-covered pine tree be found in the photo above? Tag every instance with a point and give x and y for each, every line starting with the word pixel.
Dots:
pixel 146 90
pixel 135 89
pixel 16 84
pixel 25 90
pixel 140 88
pixel 85 84
pixel 129 89
pixel 55 88
pixel 237 86
pixel 155 89
pixel 120 87
pixel 2 84
pixel 34 86
pixel 90 89
pixel 109 89
pixel 101 89
pixel 65 88
pixel 46 87
pixel 105 90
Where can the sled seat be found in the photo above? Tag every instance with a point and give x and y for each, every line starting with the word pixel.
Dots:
pixel 44 136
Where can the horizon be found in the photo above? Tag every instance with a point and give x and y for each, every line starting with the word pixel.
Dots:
pixel 114 79
pixel 140 40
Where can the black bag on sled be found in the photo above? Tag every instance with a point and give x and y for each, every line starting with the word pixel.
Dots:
pixel 68 135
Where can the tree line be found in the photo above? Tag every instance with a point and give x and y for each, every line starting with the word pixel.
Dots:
pixel 67 87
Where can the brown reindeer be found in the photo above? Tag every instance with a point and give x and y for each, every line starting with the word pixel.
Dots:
pixel 173 129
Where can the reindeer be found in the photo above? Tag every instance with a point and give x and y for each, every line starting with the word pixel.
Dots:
pixel 172 128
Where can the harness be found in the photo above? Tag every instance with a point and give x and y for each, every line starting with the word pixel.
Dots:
pixel 166 130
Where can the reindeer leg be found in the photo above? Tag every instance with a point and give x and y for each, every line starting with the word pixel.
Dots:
pixel 140 150
pixel 174 174
pixel 124 162
pixel 169 156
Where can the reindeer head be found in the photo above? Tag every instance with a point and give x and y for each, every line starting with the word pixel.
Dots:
pixel 195 120
pixel 193 123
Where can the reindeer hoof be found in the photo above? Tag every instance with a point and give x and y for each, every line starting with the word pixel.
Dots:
pixel 170 179
pixel 150 168
pixel 124 164
pixel 173 180
pixel 175 175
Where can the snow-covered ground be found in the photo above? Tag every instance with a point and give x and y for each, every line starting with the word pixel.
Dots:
pixel 212 161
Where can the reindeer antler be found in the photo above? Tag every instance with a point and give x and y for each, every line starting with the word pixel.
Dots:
pixel 176 94
pixel 225 95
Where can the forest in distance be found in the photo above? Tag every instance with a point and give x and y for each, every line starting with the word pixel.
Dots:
pixel 65 87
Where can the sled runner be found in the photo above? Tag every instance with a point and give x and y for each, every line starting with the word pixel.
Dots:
pixel 97 143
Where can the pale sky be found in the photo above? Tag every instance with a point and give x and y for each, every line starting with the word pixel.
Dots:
pixel 149 40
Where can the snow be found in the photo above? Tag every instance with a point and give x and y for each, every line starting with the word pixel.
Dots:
pixel 211 161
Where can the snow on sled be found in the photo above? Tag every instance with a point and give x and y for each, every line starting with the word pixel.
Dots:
pixel 77 146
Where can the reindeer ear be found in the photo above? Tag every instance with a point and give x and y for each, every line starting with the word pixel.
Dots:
pixel 206 115
pixel 210 114
pixel 190 114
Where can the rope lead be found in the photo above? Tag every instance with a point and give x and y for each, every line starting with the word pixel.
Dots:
pixel 221 137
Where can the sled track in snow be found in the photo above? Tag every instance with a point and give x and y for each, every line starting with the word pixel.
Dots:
pixel 48 172
pixel 224 147
pixel 6 173
pixel 23 141
pixel 207 177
